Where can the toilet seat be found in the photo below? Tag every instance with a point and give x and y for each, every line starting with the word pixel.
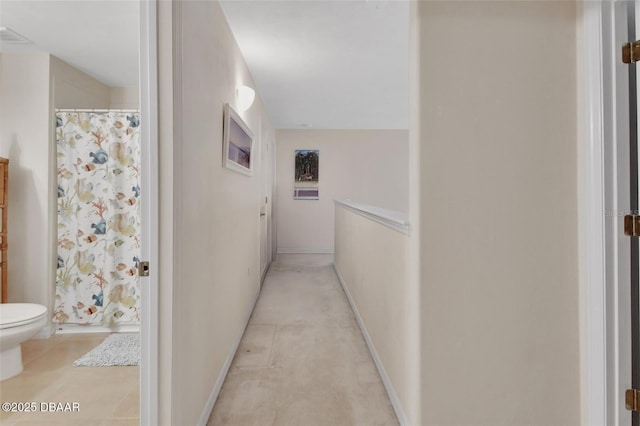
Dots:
pixel 17 314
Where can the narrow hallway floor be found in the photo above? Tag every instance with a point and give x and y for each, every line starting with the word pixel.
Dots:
pixel 302 360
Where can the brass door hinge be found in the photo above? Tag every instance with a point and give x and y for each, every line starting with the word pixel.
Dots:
pixel 632 399
pixel 631 52
pixel 632 225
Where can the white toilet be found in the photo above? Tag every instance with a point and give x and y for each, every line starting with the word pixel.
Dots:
pixel 18 323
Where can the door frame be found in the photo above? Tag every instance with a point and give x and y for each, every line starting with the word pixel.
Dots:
pixel 149 204
pixel 604 251
pixel 268 177
pixel 265 186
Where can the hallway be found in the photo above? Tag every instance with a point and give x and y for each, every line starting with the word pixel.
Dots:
pixel 302 359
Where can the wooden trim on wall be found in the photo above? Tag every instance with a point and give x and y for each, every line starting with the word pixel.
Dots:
pixel 4 181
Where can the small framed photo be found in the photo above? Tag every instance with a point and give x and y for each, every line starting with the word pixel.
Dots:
pixel 238 143
pixel 306 194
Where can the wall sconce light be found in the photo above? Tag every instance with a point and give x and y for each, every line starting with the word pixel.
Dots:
pixel 245 96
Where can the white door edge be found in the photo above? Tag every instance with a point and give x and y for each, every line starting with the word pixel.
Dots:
pixel 603 195
pixel 591 206
pixel 149 200
pixel 617 189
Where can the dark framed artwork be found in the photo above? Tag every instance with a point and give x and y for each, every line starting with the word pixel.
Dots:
pixel 307 165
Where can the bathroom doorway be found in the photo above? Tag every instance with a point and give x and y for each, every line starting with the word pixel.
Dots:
pixel 87 50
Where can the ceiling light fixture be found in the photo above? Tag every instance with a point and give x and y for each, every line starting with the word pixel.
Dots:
pixel 245 96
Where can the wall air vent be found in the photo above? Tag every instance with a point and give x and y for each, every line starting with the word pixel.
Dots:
pixel 7 35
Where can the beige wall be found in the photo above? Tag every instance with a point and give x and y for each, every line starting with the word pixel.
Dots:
pixel 496 128
pixel 24 139
pixel 366 166
pixel 214 216
pixel 372 261
pixel 124 98
pixel 74 89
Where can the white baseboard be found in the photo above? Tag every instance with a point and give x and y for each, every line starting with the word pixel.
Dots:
pixel 208 408
pixel 264 273
pixel 81 328
pixel 305 251
pixel 45 332
pixel 395 402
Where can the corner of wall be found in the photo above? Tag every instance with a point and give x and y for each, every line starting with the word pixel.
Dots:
pixel 75 89
pixel 52 205
pixel 166 44
pixel 124 98
pixel 414 405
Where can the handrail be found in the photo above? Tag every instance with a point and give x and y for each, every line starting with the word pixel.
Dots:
pixel 389 218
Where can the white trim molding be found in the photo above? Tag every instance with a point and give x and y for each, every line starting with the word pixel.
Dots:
pixel 395 401
pixel 591 219
pixel 91 328
pixel 208 408
pixel 389 218
pixel 45 332
pixel 603 197
pixel 304 251
pixel 149 331
pixel 264 273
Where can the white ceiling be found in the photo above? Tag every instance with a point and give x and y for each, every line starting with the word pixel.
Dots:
pixel 329 64
pixel 99 37
pixel 337 64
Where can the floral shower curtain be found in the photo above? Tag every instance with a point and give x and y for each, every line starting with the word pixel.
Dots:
pixel 98 217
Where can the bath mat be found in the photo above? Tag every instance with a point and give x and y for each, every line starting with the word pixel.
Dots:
pixel 117 349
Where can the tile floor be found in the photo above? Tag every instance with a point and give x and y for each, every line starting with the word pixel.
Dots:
pixel 302 360
pixel 106 395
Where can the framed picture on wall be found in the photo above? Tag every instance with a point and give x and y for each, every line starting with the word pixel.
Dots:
pixel 238 143
pixel 307 165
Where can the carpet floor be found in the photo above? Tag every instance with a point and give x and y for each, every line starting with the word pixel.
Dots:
pixel 302 359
